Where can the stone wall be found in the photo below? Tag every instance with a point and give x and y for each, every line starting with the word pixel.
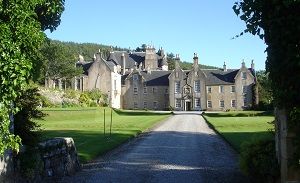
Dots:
pixel 59 156
pixel 6 166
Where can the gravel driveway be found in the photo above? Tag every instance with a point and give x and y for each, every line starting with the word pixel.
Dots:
pixel 181 149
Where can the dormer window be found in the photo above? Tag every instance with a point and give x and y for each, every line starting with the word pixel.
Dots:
pixel 135 77
pixel 244 75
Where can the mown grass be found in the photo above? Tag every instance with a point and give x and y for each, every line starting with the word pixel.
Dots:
pixel 243 126
pixel 86 127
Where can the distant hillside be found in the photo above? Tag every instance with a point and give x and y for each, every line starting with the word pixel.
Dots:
pixel 87 50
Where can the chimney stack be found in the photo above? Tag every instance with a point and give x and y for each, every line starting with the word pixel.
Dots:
pixel 177 60
pixel 252 65
pixel 224 67
pixel 195 59
pixel 124 63
pixel 243 63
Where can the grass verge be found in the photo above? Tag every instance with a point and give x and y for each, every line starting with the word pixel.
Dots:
pixel 86 127
pixel 240 127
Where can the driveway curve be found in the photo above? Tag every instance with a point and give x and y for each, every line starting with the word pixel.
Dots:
pixel 181 149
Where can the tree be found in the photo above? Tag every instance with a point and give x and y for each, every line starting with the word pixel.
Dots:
pixel 277 23
pixel 264 89
pixel 59 62
pixel 21 26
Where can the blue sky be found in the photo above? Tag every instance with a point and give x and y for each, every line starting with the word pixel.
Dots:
pixel 184 27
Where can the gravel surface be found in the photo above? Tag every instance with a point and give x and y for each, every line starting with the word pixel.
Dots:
pixel 181 149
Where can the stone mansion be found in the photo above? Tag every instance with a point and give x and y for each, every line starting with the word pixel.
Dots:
pixel 141 80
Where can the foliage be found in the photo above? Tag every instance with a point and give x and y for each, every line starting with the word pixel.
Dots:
pixel 21 26
pixel 184 65
pixel 31 164
pixel 28 102
pixel 258 160
pixel 59 62
pixel 265 93
pixel 277 22
pixel 93 98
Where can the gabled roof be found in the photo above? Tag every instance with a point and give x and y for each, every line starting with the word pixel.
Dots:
pixel 85 66
pixel 156 78
pixel 219 77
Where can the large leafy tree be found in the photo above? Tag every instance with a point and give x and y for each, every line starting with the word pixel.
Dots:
pixel 59 62
pixel 21 34
pixel 277 22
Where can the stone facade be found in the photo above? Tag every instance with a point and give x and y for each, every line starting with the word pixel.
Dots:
pixel 141 80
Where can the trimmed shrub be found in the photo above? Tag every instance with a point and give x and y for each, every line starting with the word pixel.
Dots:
pixel 258 161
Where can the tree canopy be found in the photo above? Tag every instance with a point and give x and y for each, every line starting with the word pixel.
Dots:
pixel 21 26
pixel 277 22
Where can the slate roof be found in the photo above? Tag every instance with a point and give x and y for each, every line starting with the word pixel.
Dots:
pixel 220 77
pixel 156 78
pixel 85 66
pixel 131 58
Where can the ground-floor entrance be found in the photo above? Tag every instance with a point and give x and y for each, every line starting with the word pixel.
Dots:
pixel 188 105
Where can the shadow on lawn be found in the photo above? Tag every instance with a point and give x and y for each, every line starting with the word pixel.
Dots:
pixel 241 114
pixel 91 144
pixel 236 139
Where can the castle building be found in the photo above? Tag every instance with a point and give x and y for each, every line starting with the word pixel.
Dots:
pixel 141 80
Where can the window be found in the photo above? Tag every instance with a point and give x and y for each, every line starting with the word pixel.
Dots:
pixel 154 90
pixel 177 86
pixel 244 75
pixel 209 104
pixel 166 91
pixel 135 90
pixel 135 105
pixel 145 105
pixel 197 102
pixel 135 77
pixel 245 101
pixel 244 89
pixel 145 90
pixel 187 90
pixel 232 89
pixel 221 89
pixel 155 105
pixel 197 86
pixel 178 103
pixel 233 103
pixel 77 84
pixel 222 103
pixel 208 89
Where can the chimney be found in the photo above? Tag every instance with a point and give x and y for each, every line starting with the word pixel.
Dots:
pixel 177 60
pixel 195 59
pixel 224 67
pixel 243 63
pixel 124 63
pixel 252 65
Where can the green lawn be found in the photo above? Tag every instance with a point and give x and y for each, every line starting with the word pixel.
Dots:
pixel 86 127
pixel 242 126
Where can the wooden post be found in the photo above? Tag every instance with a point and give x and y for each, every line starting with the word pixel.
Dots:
pixel 110 122
pixel 104 122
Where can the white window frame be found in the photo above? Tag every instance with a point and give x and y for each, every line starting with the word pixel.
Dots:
pixel 197 102
pixel 135 105
pixel 177 103
pixel 135 90
pixel 177 86
pixel 244 75
pixel 232 88
pixel 208 89
pixel 222 103
pixel 145 90
pixel 245 89
pixel 145 105
pixel 197 86
pixel 135 77
pixel 221 89
pixel 209 104
pixel 245 101
pixel 233 103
